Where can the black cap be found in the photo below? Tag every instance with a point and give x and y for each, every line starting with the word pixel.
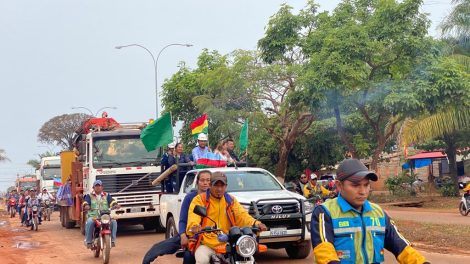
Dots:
pixel 353 167
pixel 218 176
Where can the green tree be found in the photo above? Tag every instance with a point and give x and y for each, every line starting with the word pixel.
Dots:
pixel 358 54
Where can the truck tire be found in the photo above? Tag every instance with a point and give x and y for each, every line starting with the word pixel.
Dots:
pixel 300 250
pixel 160 228
pixel 170 228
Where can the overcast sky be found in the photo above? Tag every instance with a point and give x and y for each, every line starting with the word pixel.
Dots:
pixel 57 54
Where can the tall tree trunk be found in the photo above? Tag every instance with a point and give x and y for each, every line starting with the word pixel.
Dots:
pixel 378 150
pixel 343 135
pixel 281 167
pixel 451 151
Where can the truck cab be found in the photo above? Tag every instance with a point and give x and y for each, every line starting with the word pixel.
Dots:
pixel 49 170
pixel 286 214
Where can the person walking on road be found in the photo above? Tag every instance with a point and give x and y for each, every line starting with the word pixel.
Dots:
pixel 172 244
pixel 350 229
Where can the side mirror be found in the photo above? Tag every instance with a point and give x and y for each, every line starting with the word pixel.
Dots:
pixel 82 147
pixel 200 210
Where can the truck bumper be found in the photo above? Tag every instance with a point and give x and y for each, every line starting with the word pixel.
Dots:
pixel 294 235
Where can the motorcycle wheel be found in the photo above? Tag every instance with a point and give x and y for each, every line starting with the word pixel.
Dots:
pixel 462 209
pixel 106 248
pixel 96 251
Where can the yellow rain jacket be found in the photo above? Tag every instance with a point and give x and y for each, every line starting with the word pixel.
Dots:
pixel 223 211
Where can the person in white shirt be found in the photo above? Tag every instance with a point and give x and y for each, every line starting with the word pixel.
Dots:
pixel 45 195
pixel 201 149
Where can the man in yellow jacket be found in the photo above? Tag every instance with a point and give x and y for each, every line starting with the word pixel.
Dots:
pixel 312 188
pixel 224 209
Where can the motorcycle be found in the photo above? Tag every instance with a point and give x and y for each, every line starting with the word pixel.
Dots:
pixel 464 209
pixel 240 243
pixel 34 221
pixel 102 236
pixel 12 204
pixel 47 206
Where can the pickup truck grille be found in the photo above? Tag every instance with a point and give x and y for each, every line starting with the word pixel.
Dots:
pixel 267 209
pixel 115 183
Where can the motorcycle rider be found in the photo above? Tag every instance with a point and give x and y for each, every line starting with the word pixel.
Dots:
pixel 312 189
pixel 45 195
pixel 221 207
pixel 94 202
pixel 350 229
pixel 171 245
pixel 34 200
pixel 467 193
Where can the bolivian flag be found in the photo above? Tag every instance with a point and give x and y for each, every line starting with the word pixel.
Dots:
pixel 200 125
pixel 211 160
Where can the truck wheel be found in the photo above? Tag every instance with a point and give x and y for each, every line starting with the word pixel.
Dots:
pixel 170 228
pixel 300 250
pixel 160 228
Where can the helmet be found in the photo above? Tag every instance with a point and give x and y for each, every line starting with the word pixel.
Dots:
pixel 202 137
pixel 313 176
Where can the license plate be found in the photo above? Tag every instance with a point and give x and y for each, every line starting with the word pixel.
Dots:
pixel 282 231
pixel 136 210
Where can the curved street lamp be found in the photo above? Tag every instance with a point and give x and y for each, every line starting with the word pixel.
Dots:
pixel 155 63
pixel 91 112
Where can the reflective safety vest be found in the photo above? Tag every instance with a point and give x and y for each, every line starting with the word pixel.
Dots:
pixel 98 205
pixel 358 237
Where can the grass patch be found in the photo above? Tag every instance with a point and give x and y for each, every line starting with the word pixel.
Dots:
pixel 440 238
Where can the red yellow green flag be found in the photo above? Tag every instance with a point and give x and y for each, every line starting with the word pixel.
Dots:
pixel 200 125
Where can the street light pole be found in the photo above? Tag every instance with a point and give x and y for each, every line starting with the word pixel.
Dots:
pixel 155 64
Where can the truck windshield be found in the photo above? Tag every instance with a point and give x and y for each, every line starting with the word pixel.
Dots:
pixel 250 181
pixel 123 150
pixel 50 173
pixel 27 185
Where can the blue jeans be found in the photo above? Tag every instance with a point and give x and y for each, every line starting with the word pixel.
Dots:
pixel 90 228
pixel 167 247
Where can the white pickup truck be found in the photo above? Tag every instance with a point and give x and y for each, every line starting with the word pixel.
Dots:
pixel 286 214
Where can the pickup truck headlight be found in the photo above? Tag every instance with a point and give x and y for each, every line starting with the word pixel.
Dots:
pixel 308 207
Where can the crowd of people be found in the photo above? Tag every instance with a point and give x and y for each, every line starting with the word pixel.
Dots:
pixel 225 150
pixel 25 200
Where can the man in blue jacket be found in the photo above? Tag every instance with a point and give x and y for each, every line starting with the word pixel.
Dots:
pixel 350 229
pixel 171 245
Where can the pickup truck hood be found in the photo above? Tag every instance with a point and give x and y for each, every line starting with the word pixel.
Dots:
pixel 247 197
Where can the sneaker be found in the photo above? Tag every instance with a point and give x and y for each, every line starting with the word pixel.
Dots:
pixel 88 245
pixel 113 244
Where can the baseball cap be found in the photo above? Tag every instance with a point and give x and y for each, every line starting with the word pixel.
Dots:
pixel 218 176
pixel 171 145
pixel 313 176
pixel 97 182
pixel 202 137
pixel 354 170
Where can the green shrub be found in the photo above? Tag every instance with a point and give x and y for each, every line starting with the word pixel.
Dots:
pixel 402 185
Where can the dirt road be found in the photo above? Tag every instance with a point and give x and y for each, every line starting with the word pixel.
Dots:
pixel 429 216
pixel 53 244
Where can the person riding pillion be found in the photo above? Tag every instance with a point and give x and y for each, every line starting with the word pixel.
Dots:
pixel 97 201
pixel 350 229
pixel 312 188
pixel 224 209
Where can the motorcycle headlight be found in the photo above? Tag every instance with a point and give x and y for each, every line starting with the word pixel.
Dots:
pixel 35 208
pixel 308 207
pixel 105 219
pixel 246 246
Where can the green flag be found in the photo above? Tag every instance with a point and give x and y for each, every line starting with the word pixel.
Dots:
pixel 244 137
pixel 157 134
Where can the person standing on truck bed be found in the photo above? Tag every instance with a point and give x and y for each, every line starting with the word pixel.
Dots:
pixel 95 202
pixel 164 163
pixel 350 229
pixel 201 149
pixel 231 150
pixel 178 158
pixel 221 207
pixel 171 245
